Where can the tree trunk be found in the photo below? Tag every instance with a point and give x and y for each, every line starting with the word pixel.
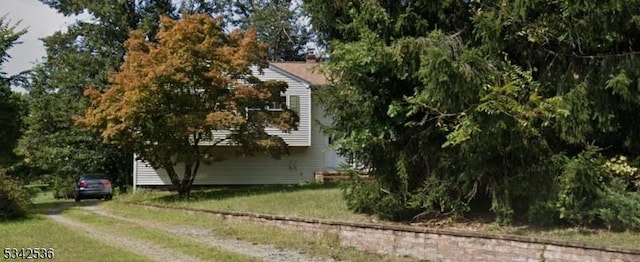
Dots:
pixel 190 171
pixel 173 175
pixel 191 165
pixel 184 191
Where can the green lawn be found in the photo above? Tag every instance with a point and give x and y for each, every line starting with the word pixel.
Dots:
pixel 37 231
pixel 308 200
pixel 159 238
pixel 327 245
pixel 68 245
pixel 326 202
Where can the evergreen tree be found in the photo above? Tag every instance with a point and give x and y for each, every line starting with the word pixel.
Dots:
pixel 14 199
pixel 456 106
pixel 12 105
pixel 279 23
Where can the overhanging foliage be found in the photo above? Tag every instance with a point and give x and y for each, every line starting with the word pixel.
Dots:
pixel 190 86
pixel 463 106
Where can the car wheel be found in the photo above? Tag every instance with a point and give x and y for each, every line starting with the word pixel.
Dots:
pixel 77 199
pixel 109 197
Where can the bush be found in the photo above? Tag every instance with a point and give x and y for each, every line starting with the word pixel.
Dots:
pixel 543 213
pixel 581 185
pixel 392 207
pixel 594 192
pixel 62 187
pixel 361 195
pixel 14 198
pixel 33 190
pixel 369 197
pixel 618 209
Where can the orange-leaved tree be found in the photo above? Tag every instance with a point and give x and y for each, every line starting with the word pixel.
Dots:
pixel 175 99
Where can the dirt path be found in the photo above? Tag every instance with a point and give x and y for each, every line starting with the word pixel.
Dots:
pixel 137 246
pixel 206 237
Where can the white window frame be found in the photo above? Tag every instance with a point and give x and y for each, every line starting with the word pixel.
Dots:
pixel 268 108
pixel 280 108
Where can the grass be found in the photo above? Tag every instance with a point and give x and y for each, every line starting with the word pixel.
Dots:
pixel 308 200
pixel 72 246
pixel 45 197
pixel 68 245
pixel 36 231
pixel 159 238
pixel 326 245
pixel 44 201
pixel 326 202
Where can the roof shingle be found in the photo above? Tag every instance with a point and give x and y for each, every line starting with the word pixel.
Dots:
pixel 306 71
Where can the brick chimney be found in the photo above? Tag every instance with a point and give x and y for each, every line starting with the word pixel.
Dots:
pixel 311 55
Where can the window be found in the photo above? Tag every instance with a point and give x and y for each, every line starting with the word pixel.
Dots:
pixel 294 104
pixel 251 112
pixel 276 105
pixel 291 102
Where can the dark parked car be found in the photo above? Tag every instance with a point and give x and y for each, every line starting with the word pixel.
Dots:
pixel 92 186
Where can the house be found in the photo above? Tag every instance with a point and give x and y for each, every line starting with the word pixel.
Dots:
pixel 308 146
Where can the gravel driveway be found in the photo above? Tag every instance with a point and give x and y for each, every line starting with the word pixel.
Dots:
pixel 201 235
pixel 136 246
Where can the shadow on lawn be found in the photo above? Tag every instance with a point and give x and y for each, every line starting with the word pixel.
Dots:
pixel 218 193
pixel 53 207
pixel 56 207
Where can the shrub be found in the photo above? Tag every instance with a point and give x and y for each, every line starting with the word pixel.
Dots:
pixel 437 196
pixel 14 198
pixel 543 213
pixel 618 209
pixel 360 195
pixel 369 197
pixel 392 207
pixel 581 185
pixel 33 190
pixel 62 187
pixel 595 192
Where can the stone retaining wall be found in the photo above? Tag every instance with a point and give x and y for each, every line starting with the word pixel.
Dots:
pixel 437 244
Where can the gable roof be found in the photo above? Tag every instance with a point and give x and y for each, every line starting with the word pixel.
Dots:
pixel 307 72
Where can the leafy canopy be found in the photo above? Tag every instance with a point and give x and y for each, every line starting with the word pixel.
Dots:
pixel 83 55
pixel 514 107
pixel 14 199
pixel 12 105
pixel 193 85
pixel 280 24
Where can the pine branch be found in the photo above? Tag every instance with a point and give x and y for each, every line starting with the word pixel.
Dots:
pixel 633 53
pixel 600 56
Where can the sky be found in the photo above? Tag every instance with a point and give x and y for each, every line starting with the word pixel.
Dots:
pixel 40 21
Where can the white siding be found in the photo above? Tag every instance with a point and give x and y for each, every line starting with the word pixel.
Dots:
pixel 297 167
pixel 301 136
